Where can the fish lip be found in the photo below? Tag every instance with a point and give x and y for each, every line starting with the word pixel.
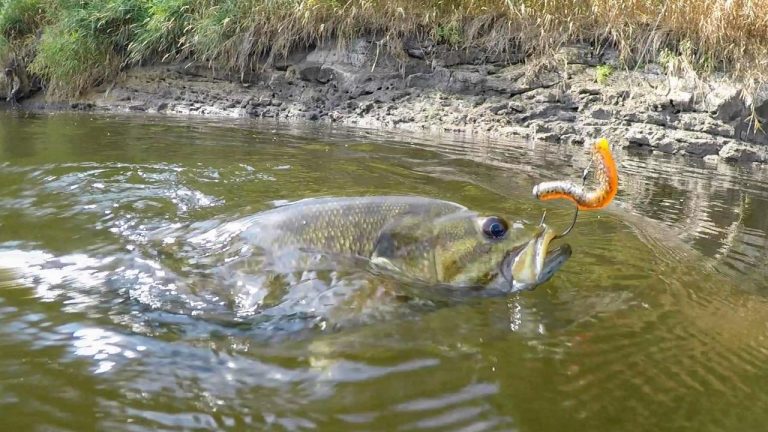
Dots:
pixel 554 259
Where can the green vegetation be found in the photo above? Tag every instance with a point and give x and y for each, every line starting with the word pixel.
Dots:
pixel 21 17
pixel 449 34
pixel 602 73
pixel 75 44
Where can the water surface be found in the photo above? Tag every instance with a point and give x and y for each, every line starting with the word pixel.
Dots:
pixel 658 321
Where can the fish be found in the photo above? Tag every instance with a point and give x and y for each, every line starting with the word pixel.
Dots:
pixel 422 239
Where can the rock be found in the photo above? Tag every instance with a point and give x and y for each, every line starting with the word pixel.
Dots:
pixel 600 114
pixel 760 100
pixel 511 86
pixel 366 108
pixel 681 100
pixel 336 116
pixel 296 57
pixel 496 108
pixel 436 79
pixel 516 107
pixel 741 152
pixel 545 96
pixel 590 99
pixel 463 80
pixel 668 145
pixel 594 91
pixel 539 127
pixel 572 139
pixel 699 146
pixel 499 84
pixel 479 100
pixel 451 58
pixel 549 112
pixel 712 159
pixel 658 119
pixel 548 137
pixel 611 57
pixel 411 67
pixel 725 102
pixel 244 104
pixel 402 94
pixel 717 128
pixel 416 53
pixel 82 106
pixel 638 138
pixel 579 54
pixel 615 96
pixel 564 129
pixel 315 73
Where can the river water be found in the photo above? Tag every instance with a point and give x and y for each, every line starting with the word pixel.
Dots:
pixel 659 321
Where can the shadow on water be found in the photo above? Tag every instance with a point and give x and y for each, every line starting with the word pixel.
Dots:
pixel 658 321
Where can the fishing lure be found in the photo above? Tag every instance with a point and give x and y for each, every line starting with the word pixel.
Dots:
pixel 606 175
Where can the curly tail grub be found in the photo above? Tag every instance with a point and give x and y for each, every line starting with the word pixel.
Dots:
pixel 606 175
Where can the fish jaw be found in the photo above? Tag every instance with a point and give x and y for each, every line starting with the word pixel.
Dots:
pixel 534 263
pixel 552 262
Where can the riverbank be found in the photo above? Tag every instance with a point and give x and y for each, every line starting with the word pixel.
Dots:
pixel 466 91
pixel 651 75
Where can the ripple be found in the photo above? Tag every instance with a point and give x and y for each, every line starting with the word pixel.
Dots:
pixel 468 393
pixel 112 231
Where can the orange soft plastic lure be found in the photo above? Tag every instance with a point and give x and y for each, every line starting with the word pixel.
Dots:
pixel 606 175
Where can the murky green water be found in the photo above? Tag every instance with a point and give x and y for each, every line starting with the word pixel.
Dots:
pixel 658 322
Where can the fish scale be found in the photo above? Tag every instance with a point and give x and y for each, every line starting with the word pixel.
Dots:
pixel 342 225
pixel 430 240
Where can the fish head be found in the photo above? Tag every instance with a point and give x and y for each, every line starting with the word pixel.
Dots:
pixel 468 249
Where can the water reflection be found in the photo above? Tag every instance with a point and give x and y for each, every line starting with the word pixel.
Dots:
pixel 658 322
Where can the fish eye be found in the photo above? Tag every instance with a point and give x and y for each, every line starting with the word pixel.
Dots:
pixel 495 227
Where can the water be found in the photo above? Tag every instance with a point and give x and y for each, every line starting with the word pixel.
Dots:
pixel 658 321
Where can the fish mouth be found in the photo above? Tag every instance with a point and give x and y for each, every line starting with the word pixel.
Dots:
pixel 535 263
pixel 553 261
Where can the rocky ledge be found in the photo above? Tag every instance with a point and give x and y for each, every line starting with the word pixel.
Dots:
pixel 571 98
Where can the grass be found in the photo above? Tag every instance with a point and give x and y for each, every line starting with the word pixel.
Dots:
pixel 21 17
pixel 75 44
pixel 602 73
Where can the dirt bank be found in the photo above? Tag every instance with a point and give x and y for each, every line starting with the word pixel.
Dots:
pixel 435 88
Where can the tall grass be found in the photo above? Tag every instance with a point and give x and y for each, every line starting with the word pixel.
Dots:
pixel 21 17
pixel 86 41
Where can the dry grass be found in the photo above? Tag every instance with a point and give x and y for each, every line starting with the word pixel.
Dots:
pixel 84 42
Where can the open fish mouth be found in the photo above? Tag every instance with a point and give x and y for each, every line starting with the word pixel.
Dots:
pixel 541 270
pixel 536 262
pixel 554 260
